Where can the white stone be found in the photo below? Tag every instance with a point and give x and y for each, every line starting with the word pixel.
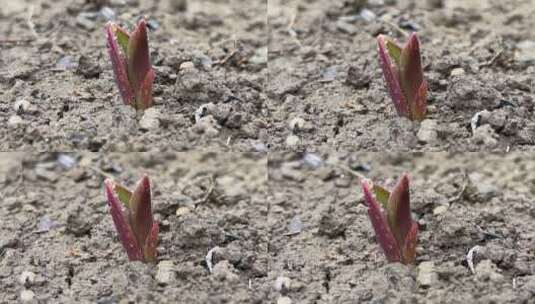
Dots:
pixel 166 272
pixel 440 209
pixel 15 120
pixel 26 277
pixel 26 295
pixel 457 72
pixel 426 274
pixel 150 119
pixel 284 300
pixel 292 140
pixel 428 131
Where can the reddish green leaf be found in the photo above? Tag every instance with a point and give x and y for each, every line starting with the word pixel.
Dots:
pixel 123 194
pixel 402 69
pixel 398 210
pixel 141 211
pixel 409 248
pixel 382 195
pixel 394 50
pixel 122 38
pixel 411 73
pixel 138 60
pixel 119 65
pixel 391 75
pixel 383 234
pixel 420 103
pixel 125 233
pixel 151 243
pixel 145 93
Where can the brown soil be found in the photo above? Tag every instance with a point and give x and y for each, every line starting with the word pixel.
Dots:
pixel 202 200
pixel 213 52
pixel 324 75
pixel 328 255
pixel 282 227
pixel 459 201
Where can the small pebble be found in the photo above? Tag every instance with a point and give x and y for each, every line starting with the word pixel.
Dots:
pixel 260 147
pixel 312 160
pixel 187 65
pixel 329 74
pixel 292 141
pixel 427 275
pixel 180 211
pixel 26 296
pixel 457 72
pixel 45 224
pixel 428 131
pixel 66 161
pixel 347 28
pixel 84 21
pixel 297 124
pixel 27 278
pixel 150 119
pixel 282 284
pixel 440 210
pixel 21 106
pixel 260 56
pixel 165 273
pixel 284 300
pixel 15 121
pixel 295 226
pixel 367 15
pixel 525 52
pixel 108 13
pixel 66 63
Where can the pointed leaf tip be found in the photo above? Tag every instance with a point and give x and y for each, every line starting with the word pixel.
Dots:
pixel 138 55
pixel 141 210
pixel 411 74
pixel 124 231
pixel 398 211
pixel 119 65
pixel 391 76
pixel 384 236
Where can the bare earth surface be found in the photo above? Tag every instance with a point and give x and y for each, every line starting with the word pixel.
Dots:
pixel 264 113
pixel 57 90
pixel 325 86
pixel 303 235
pixel 459 200
pixel 57 238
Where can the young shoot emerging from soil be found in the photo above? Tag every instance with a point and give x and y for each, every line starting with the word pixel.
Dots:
pixel 402 70
pixel 394 228
pixel 133 219
pixel 129 53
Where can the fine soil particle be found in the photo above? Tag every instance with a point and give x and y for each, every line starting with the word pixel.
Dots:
pixel 323 69
pixel 459 200
pixel 288 228
pixel 204 52
pixel 58 241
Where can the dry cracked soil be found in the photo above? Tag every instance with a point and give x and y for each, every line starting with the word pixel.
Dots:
pixel 286 227
pixel 268 116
